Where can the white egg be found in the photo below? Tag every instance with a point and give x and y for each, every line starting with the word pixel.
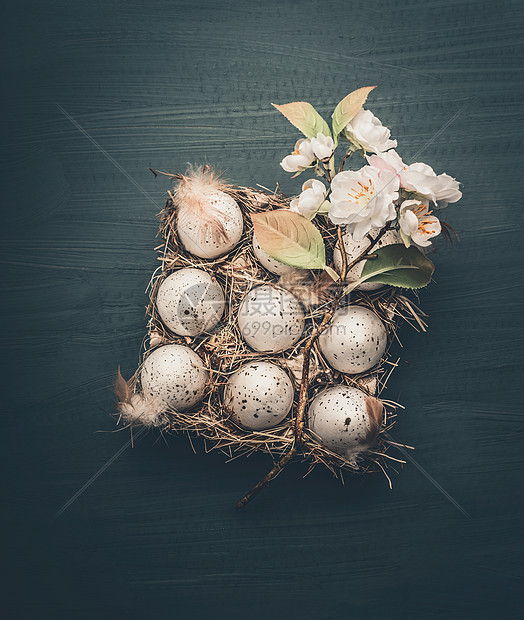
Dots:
pixel 176 374
pixel 219 235
pixel 259 395
pixel 338 416
pixel 355 248
pixel 272 265
pixel 270 319
pixel 354 341
pixel 190 302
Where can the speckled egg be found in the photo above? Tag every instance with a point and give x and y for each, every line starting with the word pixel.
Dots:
pixel 270 264
pixel 354 341
pixel 338 416
pixel 190 302
pixel 355 248
pixel 176 374
pixel 270 319
pixel 220 235
pixel 259 395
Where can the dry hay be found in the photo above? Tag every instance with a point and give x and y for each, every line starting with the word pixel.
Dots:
pixel 223 350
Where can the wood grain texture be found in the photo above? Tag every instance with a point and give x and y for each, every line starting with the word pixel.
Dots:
pixel 163 83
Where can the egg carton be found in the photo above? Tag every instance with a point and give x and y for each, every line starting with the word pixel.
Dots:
pixel 222 351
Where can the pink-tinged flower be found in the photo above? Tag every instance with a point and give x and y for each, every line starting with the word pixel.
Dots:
pixel 390 161
pixel 366 130
pixel 419 178
pixel 363 199
pixel 310 200
pixel 301 158
pixel 323 146
pixel 417 224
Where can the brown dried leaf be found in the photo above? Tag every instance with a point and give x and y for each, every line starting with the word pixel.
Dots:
pixel 375 410
pixel 311 290
pixel 122 388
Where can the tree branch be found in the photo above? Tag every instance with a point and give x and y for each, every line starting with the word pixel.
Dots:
pixel 279 465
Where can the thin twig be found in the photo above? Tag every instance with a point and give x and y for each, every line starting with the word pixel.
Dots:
pixel 271 475
pixel 304 385
pixel 343 254
pixel 279 465
pixel 172 177
pixel 372 244
pixel 348 154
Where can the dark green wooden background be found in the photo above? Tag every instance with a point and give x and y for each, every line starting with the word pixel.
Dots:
pixel 163 83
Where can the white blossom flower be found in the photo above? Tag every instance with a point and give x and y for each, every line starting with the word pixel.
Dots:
pixel 440 189
pixel 302 157
pixel 312 196
pixel 363 199
pixel 323 146
pixel 447 190
pixel 419 178
pixel 366 130
pixel 417 224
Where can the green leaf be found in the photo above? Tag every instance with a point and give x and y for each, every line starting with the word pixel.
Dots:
pixel 304 117
pixel 396 265
pixel 290 238
pixel 349 107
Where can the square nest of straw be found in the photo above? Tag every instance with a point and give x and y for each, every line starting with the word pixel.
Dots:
pixel 223 351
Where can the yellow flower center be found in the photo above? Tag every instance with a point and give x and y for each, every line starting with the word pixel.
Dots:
pixel 420 211
pixel 424 223
pixel 423 226
pixel 362 193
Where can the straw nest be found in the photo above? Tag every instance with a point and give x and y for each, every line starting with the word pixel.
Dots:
pixel 223 351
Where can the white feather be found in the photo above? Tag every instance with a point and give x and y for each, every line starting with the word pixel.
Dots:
pixel 146 410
